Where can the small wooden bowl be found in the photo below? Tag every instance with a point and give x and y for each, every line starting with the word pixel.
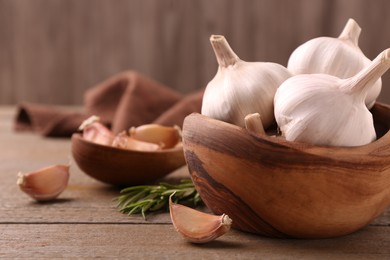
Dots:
pixel 121 167
pixel 277 188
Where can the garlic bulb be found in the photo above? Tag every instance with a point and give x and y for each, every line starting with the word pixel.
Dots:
pixel 324 110
pixel 196 226
pixel 46 183
pixel 340 57
pixel 240 88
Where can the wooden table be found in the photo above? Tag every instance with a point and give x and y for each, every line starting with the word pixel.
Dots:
pixel 84 221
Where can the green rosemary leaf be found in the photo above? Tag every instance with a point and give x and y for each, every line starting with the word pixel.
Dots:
pixel 187 192
pixel 128 200
pixel 197 198
pixel 167 185
pixel 146 207
pixel 158 205
pixel 170 192
pixel 147 198
pixel 134 210
pixel 136 207
pixel 135 188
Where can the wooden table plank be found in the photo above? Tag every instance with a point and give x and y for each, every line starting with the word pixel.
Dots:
pixel 84 201
pixel 162 242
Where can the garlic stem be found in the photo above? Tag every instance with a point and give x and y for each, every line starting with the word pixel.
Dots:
pixel 223 52
pixel 254 124
pixel 351 32
pixel 361 83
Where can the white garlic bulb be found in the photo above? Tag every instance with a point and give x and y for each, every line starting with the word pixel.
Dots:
pixel 324 110
pixel 240 88
pixel 340 57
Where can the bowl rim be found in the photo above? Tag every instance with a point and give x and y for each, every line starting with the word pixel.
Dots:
pixel 376 147
pixel 77 137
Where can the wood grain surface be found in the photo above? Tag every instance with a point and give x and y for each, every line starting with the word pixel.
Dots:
pixel 84 223
pixel 128 241
pixel 277 188
pixel 51 51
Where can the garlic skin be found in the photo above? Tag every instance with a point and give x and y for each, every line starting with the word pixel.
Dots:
pixel 240 88
pixel 124 141
pixel 96 132
pixel 198 227
pixel 167 137
pixel 322 109
pixel 44 184
pixel 340 57
pixel 150 137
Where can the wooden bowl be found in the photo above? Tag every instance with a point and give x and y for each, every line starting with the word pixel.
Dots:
pixel 121 167
pixel 277 188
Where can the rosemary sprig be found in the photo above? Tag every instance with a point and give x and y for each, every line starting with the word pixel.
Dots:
pixel 148 198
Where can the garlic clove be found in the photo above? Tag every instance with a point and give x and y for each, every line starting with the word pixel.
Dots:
pixel 167 137
pixel 254 124
pixel 124 141
pixel 196 226
pixel 96 132
pixel 340 57
pixel 89 121
pixel 240 88
pixel 46 183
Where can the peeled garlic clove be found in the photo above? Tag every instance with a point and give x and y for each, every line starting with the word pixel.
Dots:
pixel 96 132
pixel 46 183
pixel 240 88
pixel 165 136
pixel 196 226
pixel 324 110
pixel 340 57
pixel 122 140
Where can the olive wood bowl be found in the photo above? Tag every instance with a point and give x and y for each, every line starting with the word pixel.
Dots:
pixel 283 189
pixel 122 167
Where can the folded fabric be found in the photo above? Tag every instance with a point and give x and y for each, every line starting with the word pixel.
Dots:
pixel 122 101
pixel 47 120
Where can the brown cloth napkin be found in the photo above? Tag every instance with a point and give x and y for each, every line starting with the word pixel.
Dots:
pixel 122 101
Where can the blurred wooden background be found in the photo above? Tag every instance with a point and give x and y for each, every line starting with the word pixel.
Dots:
pixel 51 51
